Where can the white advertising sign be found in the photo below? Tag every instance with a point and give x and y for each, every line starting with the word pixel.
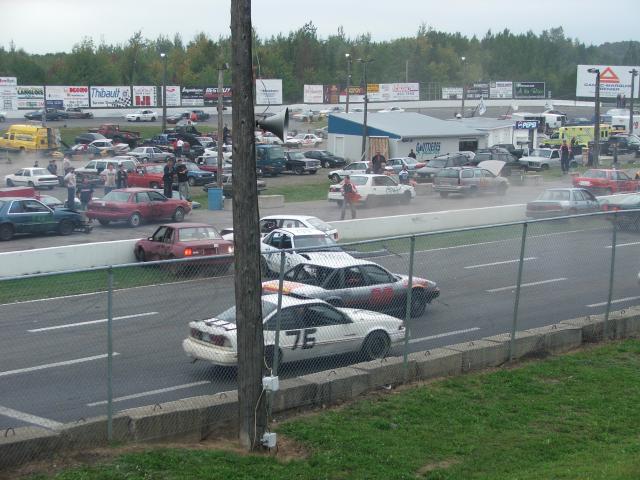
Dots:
pixel 451 93
pixel 173 95
pixel 313 94
pixel 30 96
pixel 8 93
pixel 113 97
pixel 70 96
pixel 614 81
pixel 145 96
pixel 501 90
pixel 268 91
pixel 391 92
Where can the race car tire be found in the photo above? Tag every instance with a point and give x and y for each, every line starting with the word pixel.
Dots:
pixel 65 227
pixel 376 345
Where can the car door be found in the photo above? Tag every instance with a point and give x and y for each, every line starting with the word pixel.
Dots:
pixel 352 287
pixel 294 341
pixel 38 216
pixel 625 182
pixel 328 331
pixel 488 181
pixel 153 245
pixel 387 188
pixel 162 208
pixel 385 292
pixel 271 245
pixel 144 205
pixel 591 202
pixel 166 246
pixel 18 177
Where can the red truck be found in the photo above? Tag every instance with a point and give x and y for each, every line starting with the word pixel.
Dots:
pixel 113 131
pixel 601 181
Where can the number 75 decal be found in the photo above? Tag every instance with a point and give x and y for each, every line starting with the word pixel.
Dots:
pixel 307 340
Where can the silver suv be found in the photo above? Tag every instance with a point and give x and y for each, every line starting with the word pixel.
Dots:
pixel 468 181
pixel 428 172
pixel 91 171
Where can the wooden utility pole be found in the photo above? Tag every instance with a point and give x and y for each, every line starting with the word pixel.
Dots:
pixel 252 414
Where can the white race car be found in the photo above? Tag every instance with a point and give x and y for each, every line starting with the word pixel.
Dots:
pixel 374 189
pixel 303 140
pixel 309 329
pixel 141 116
pixel 31 177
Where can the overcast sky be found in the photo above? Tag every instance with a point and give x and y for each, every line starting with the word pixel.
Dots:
pixel 42 26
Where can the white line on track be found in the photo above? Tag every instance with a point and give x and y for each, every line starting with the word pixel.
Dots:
pixel 619 300
pixel 56 364
pixel 150 392
pixel 90 322
pixel 531 284
pixel 28 418
pixel 445 334
pixel 504 262
pixel 623 244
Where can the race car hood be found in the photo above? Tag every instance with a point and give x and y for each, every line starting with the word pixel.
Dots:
pixel 494 166
pixel 291 288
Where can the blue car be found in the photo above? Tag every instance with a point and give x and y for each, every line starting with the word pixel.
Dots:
pixel 196 176
pixel 20 215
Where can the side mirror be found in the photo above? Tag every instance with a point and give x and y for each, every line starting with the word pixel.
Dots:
pixel 150 239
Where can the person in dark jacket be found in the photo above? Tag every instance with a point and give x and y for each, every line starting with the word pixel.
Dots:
pixel 122 177
pixel 412 154
pixel 182 172
pixel 167 178
pixel 565 153
pixel 86 193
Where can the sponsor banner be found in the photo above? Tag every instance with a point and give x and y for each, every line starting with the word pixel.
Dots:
pixel 8 93
pixel 391 92
pixel 211 95
pixel 57 104
pixel 614 81
pixel 529 90
pixel 268 91
pixel 452 93
pixel 427 149
pixel 501 90
pixel 145 96
pixel 313 94
pixel 356 94
pixel 173 95
pixel 526 124
pixel 331 93
pixel 30 96
pixel 70 96
pixel 477 91
pixel 112 97
pixel 192 96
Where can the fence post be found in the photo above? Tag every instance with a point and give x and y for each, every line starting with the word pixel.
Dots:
pixel 605 332
pixel 276 347
pixel 516 303
pixel 407 314
pixel 110 354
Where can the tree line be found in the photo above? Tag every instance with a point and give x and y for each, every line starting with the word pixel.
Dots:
pixel 302 57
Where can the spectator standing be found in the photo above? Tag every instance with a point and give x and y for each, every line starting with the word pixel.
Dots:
pixel 109 176
pixel 52 167
pixel 122 177
pixel 182 172
pixel 349 197
pixel 167 178
pixel 564 157
pixel 35 164
pixel 86 193
pixel 377 162
pixel 225 135
pixel 70 183
pixel 404 175
pixel 412 154
pixel 66 164
pixel 193 116
pixel 179 146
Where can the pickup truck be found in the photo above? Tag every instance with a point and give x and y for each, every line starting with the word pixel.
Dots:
pixel 119 135
pixel 516 152
pixel 297 163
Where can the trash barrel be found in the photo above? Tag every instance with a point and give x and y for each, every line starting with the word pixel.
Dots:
pixel 216 200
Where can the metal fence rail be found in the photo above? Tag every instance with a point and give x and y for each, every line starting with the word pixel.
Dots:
pixel 94 342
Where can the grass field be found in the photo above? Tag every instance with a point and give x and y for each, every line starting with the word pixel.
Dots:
pixel 570 417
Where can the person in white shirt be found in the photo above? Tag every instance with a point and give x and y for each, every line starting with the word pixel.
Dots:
pixel 70 183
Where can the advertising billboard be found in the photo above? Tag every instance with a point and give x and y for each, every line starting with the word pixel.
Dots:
pixel 476 91
pixel 451 93
pixel 145 96
pixel 331 93
pixel 211 96
pixel 356 94
pixel 391 92
pixel 70 96
pixel 30 96
pixel 173 95
pixel 111 97
pixel 313 94
pixel 192 96
pixel 501 90
pixel 268 91
pixel 529 90
pixel 614 80
pixel 8 93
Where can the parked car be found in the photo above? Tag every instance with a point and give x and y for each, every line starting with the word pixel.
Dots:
pixel 268 138
pixel 107 145
pixel 391 109
pixel 317 330
pixel 271 222
pixel 146 176
pixel 468 181
pixel 375 189
pixel 543 159
pixel 186 240
pixel 154 154
pixel 86 151
pixel 299 164
pixel 88 137
pixel 75 112
pixel 327 159
pixel 19 215
pixel 141 116
pixel 602 181
pixel 176 117
pixel 210 163
pixel 91 171
pixel 557 202
pixel 395 165
pixel 135 206
pixel 509 147
pixel 51 115
pixel 624 218
pixel 31 177
pixel 626 144
pixel 345 281
pixel 322 132
pixel 227 185
pixel 351 169
pixel 313 242
pixel 511 163
pixel 433 166
pixel 197 176
pixel 303 140
pixel 305 116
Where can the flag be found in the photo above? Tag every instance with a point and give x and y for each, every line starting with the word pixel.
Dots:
pixel 481 107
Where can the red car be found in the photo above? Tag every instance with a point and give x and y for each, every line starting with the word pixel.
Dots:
pixel 135 205
pixel 184 240
pixel 147 176
pixel 600 181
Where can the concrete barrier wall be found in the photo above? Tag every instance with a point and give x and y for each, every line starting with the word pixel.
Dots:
pixel 200 417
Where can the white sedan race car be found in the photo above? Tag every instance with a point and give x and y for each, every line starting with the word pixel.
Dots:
pixel 303 140
pixel 374 190
pixel 142 115
pixel 309 329
pixel 32 177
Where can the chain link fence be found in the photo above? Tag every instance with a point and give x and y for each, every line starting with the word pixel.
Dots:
pixel 95 342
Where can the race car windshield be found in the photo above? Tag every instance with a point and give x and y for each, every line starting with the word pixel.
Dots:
pixel 229 315
pixel 116 197
pixel 555 195
pixel 314 241
pixel 319 224
pixel 595 174
pixel 198 233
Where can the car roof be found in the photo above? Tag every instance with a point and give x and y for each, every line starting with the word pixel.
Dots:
pixel 288 301
pixel 288 217
pixel 17 198
pixel 135 190
pixel 299 231
pixel 186 225
pixel 335 260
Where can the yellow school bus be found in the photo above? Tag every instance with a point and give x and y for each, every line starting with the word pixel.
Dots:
pixel 29 138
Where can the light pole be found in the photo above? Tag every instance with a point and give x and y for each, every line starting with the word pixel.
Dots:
pixel 633 73
pixel 464 83
pixel 348 57
pixel 596 127
pixel 221 69
pixel 164 91
pixel 366 102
